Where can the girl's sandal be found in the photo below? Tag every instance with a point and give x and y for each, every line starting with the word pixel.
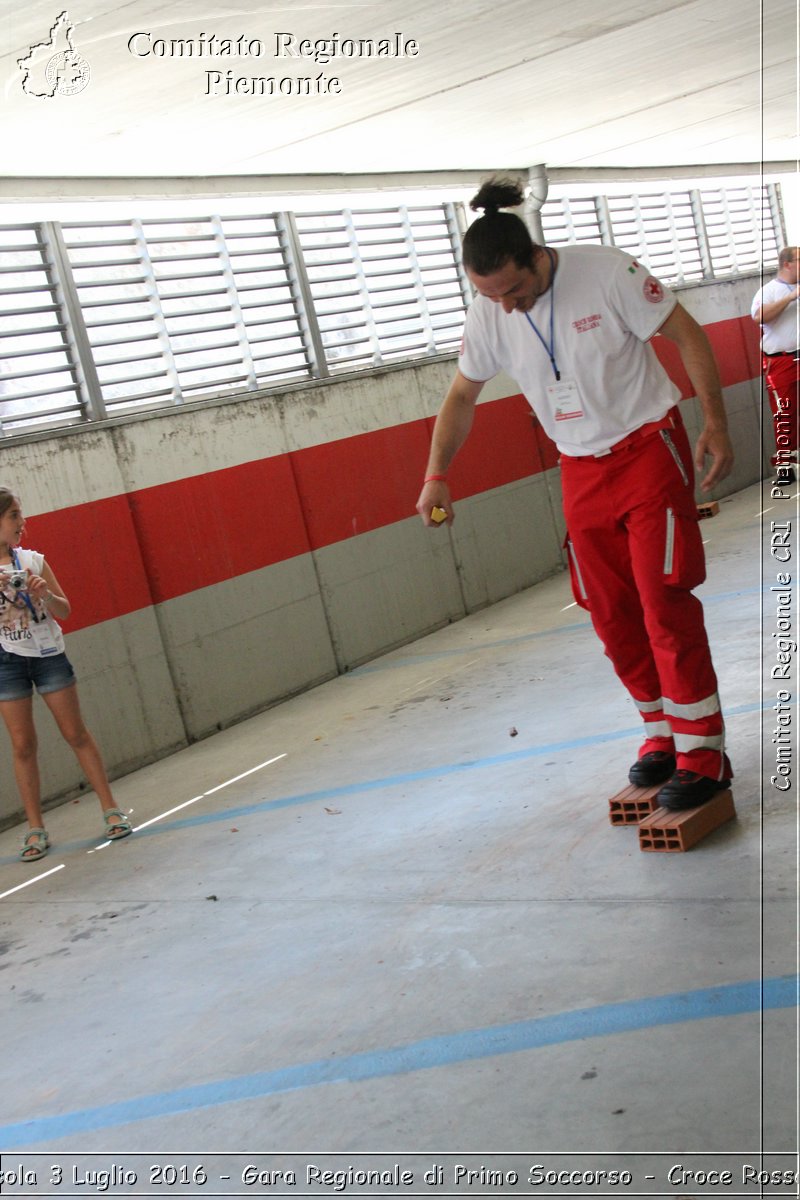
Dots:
pixel 117 824
pixel 35 845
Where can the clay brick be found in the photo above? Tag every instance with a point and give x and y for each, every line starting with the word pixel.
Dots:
pixel 670 832
pixel 630 805
pixel 708 508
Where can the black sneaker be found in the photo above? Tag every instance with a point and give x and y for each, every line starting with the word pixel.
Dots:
pixel 687 790
pixel 655 767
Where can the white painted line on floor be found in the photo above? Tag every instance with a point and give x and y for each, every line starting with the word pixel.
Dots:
pixel 161 816
pixel 772 507
pixel 414 687
pixel 28 882
pixel 573 605
pixel 244 774
pixel 193 800
pixel 152 821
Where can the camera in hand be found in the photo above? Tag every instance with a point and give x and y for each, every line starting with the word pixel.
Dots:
pixel 16 580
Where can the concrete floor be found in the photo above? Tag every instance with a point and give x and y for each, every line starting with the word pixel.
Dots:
pixel 391 915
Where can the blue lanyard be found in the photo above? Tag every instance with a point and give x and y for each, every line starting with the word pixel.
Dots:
pixel 24 594
pixel 551 349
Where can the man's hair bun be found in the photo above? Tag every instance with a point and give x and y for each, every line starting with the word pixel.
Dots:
pixel 496 194
pixel 497 237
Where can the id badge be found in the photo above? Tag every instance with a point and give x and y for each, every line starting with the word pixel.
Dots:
pixel 565 399
pixel 43 638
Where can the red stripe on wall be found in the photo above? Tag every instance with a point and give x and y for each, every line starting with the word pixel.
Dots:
pixel 94 552
pixel 357 484
pixel 125 553
pixel 736 346
pixel 203 530
pixel 506 444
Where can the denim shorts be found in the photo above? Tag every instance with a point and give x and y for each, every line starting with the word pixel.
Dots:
pixel 19 674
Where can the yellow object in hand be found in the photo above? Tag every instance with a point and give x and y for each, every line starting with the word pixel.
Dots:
pixel 438 515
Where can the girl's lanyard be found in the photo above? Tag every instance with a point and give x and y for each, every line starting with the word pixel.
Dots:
pixel 24 594
pixel 551 348
pixel 40 633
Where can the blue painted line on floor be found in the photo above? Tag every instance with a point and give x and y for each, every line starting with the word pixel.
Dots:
pixel 607 1020
pixel 359 787
pixel 439 771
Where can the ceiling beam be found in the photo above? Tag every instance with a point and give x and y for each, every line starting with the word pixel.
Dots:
pixel 19 189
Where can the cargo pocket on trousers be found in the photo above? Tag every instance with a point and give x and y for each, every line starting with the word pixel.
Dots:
pixel 578 587
pixel 684 557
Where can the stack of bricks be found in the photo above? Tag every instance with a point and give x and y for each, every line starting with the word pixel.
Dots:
pixel 662 829
pixel 632 805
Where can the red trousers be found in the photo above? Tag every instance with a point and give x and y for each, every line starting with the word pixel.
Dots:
pixel 635 554
pixel 782 373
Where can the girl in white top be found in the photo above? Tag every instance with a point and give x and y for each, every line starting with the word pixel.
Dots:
pixel 32 655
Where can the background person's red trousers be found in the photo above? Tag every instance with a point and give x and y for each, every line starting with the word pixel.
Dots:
pixel 635 553
pixel 782 374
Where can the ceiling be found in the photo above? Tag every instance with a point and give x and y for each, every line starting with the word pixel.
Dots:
pixel 494 84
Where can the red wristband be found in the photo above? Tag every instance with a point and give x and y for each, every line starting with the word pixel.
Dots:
pixel 435 479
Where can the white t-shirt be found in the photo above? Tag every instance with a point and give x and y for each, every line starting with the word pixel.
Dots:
pixel 780 335
pixel 16 619
pixel 606 306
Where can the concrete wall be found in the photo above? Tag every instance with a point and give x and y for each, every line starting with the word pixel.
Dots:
pixel 221 557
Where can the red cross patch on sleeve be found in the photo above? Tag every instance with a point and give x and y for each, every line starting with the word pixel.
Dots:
pixel 653 291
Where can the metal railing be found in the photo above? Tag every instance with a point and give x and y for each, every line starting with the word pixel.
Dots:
pixel 685 236
pixel 100 319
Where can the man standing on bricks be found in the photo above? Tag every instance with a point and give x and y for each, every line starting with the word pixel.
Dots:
pixel 572 327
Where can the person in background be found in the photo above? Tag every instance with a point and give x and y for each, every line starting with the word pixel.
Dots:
pixel 573 326
pixel 32 654
pixel 775 309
